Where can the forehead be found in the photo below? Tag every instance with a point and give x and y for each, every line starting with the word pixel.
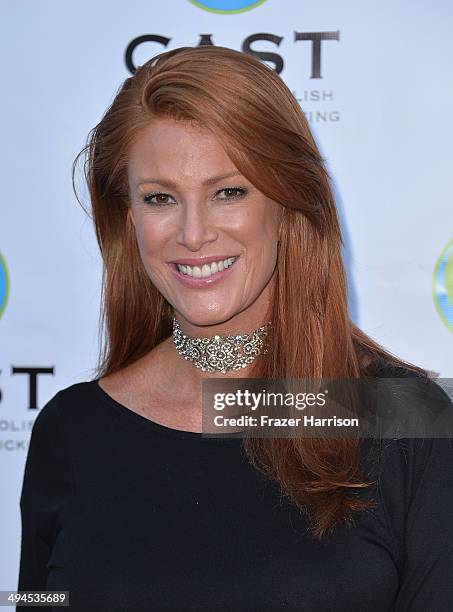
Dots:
pixel 176 150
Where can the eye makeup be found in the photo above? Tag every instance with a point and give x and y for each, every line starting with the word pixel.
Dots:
pixel 240 193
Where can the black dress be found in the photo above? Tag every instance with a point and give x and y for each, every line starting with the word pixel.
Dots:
pixel 130 515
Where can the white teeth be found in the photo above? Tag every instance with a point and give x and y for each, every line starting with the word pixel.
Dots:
pixel 207 269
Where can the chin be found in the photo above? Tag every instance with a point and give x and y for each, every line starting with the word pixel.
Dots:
pixel 205 318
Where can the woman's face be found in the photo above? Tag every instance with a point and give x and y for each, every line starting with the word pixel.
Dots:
pixel 190 206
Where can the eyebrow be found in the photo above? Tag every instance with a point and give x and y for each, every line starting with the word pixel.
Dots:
pixel 210 181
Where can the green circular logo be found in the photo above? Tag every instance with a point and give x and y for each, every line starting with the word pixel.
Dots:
pixel 227 7
pixel 443 285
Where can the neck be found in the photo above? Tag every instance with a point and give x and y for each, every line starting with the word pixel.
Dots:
pixel 241 323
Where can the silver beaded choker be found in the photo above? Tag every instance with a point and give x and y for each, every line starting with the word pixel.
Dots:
pixel 221 353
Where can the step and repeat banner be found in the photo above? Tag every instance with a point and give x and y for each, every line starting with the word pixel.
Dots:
pixel 375 82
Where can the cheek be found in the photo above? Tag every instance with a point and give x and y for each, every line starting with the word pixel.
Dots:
pixel 262 239
pixel 258 224
pixel 150 238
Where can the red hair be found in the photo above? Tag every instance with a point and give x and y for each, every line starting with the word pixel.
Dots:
pixel 264 132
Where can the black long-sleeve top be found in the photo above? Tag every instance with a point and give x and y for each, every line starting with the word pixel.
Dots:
pixel 130 515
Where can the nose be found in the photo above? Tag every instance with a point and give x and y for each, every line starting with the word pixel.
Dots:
pixel 194 226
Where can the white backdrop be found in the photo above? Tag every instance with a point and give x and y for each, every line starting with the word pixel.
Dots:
pixel 377 93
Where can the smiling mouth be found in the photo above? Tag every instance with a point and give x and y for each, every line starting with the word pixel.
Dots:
pixel 206 270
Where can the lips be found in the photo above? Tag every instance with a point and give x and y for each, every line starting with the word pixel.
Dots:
pixel 207 269
pixel 200 261
pixel 205 275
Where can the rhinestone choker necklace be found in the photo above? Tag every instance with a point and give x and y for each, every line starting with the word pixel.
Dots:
pixel 221 353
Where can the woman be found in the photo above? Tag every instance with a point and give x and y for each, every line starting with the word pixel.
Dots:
pixel 215 217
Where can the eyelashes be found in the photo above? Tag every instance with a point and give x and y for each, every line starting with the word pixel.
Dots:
pixel 148 196
pixel 240 192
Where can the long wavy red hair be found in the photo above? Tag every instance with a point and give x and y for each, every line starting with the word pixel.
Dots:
pixel 265 134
